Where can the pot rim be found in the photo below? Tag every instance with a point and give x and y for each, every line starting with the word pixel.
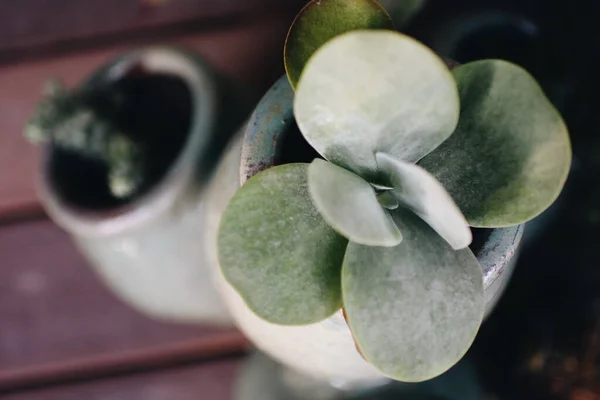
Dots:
pixel 172 187
pixel 269 123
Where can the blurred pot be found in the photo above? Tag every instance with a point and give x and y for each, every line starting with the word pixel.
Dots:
pixel 148 249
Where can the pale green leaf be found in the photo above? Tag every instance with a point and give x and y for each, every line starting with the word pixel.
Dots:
pixel 418 190
pixel 349 204
pixel 510 155
pixel 276 250
pixel 322 20
pixel 370 91
pixel 414 309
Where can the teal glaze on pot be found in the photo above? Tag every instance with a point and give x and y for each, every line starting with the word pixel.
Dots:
pixel 148 251
pixel 324 350
pixel 273 116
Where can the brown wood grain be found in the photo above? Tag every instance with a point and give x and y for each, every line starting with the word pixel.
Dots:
pixel 210 381
pixel 250 53
pixel 53 309
pixel 42 23
pixel 109 364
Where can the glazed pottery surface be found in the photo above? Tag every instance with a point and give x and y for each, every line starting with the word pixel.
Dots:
pixel 324 350
pixel 149 251
pixel 262 378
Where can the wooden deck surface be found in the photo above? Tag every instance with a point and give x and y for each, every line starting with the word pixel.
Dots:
pixel 63 335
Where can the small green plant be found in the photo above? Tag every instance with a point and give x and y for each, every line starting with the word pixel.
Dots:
pixel 414 155
pixel 69 120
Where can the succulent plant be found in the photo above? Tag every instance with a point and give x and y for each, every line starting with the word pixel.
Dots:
pixel 413 156
pixel 70 120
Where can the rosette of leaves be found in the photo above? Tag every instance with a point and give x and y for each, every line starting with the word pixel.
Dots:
pixel 413 156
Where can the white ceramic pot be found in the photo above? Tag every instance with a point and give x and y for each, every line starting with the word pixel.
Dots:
pixel 324 350
pixel 149 250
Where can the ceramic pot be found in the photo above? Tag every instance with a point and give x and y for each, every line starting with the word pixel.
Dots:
pixel 324 350
pixel 148 250
pixel 260 377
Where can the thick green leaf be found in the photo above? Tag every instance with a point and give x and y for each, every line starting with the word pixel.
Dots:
pixel 418 190
pixel 413 309
pixel 370 91
pixel 276 250
pixel 349 204
pixel 510 155
pixel 322 20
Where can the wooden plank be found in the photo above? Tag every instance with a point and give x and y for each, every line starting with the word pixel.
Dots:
pixel 250 53
pixel 53 309
pixel 210 381
pixel 170 355
pixel 42 23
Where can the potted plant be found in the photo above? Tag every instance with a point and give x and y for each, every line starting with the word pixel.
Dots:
pixel 358 261
pixel 127 156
